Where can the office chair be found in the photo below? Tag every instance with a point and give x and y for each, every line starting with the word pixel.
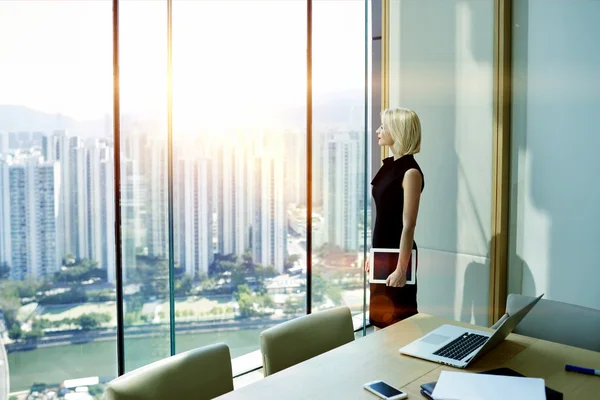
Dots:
pixel 202 373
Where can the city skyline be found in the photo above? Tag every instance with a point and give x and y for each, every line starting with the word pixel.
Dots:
pixel 227 200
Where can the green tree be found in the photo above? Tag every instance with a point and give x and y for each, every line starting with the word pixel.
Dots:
pixel 72 296
pixel 248 265
pixel 238 276
pixel 245 301
pixel 33 335
pixel 267 301
pixel 319 288
pixel 92 320
pixel 4 271
pixel 81 271
pixel 153 274
pixel 28 288
pixel 293 305
pixel 68 259
pixel 15 332
pixel 41 323
pixel 183 287
pixel 223 263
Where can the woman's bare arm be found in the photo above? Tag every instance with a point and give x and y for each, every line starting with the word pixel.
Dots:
pixel 412 184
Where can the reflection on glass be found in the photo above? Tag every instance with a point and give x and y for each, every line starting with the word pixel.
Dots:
pixel 338 155
pixel 239 169
pixel 57 265
pixel 144 226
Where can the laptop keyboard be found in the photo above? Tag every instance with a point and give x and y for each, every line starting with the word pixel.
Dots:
pixel 462 346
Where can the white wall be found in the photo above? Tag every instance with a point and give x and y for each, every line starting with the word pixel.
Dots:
pixel 441 66
pixel 555 209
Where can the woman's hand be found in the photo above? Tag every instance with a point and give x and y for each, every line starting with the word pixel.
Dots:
pixel 367 265
pixel 397 278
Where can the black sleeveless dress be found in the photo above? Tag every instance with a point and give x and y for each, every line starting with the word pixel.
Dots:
pixel 389 305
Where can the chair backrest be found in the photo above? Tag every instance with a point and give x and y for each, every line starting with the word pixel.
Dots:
pixel 558 322
pixel 203 373
pixel 305 337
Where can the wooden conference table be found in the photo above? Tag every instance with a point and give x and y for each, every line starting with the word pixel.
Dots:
pixel 341 373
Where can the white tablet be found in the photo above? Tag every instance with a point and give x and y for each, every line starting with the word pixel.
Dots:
pixel 384 261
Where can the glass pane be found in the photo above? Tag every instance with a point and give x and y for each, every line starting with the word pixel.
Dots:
pixel 144 242
pixel 441 66
pixel 239 90
pixel 57 271
pixel 339 159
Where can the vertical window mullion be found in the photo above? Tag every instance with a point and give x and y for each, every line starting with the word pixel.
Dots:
pixel 170 174
pixel 309 156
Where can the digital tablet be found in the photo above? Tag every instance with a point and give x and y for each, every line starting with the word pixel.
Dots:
pixel 384 261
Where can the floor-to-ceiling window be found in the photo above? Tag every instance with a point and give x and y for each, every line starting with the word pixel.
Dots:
pixel 213 236
pixel 339 157
pixel 57 244
pixel 144 171
pixel 239 160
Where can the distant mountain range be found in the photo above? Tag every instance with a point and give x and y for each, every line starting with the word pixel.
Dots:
pixel 342 110
pixel 24 119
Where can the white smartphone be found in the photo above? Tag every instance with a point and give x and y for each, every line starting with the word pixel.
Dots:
pixel 385 391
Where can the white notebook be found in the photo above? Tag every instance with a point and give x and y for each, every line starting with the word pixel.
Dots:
pixel 466 386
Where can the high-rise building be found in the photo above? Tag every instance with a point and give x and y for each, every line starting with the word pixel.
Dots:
pixel 134 174
pixel 193 222
pixel 156 176
pixel 30 188
pixel 233 229
pixel 3 144
pixel 295 168
pixel 269 228
pixel 100 205
pixel 5 248
pixel 107 208
pixel 58 149
pixel 79 181
pixel 319 141
pixel 340 189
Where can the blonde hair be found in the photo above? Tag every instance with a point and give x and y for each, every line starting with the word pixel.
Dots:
pixel 404 127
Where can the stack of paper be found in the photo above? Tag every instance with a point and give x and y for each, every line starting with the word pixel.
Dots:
pixel 465 386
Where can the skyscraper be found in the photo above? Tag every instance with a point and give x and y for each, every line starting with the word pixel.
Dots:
pixel 269 228
pixel 100 205
pixel 29 215
pixel 295 168
pixel 107 207
pixel 3 144
pixel 340 191
pixel 232 194
pixel 156 176
pixel 193 222
pixel 57 148
pixel 5 248
pixel 79 181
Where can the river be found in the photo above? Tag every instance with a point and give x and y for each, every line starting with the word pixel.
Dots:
pixel 53 365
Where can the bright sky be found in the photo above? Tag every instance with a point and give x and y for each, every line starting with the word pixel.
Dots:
pixel 56 56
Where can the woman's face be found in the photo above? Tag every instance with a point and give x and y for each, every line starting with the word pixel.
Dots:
pixel 383 137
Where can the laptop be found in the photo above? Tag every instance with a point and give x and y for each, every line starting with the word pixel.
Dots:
pixel 458 347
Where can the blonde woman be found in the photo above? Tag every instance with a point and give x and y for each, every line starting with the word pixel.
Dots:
pixel 396 189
